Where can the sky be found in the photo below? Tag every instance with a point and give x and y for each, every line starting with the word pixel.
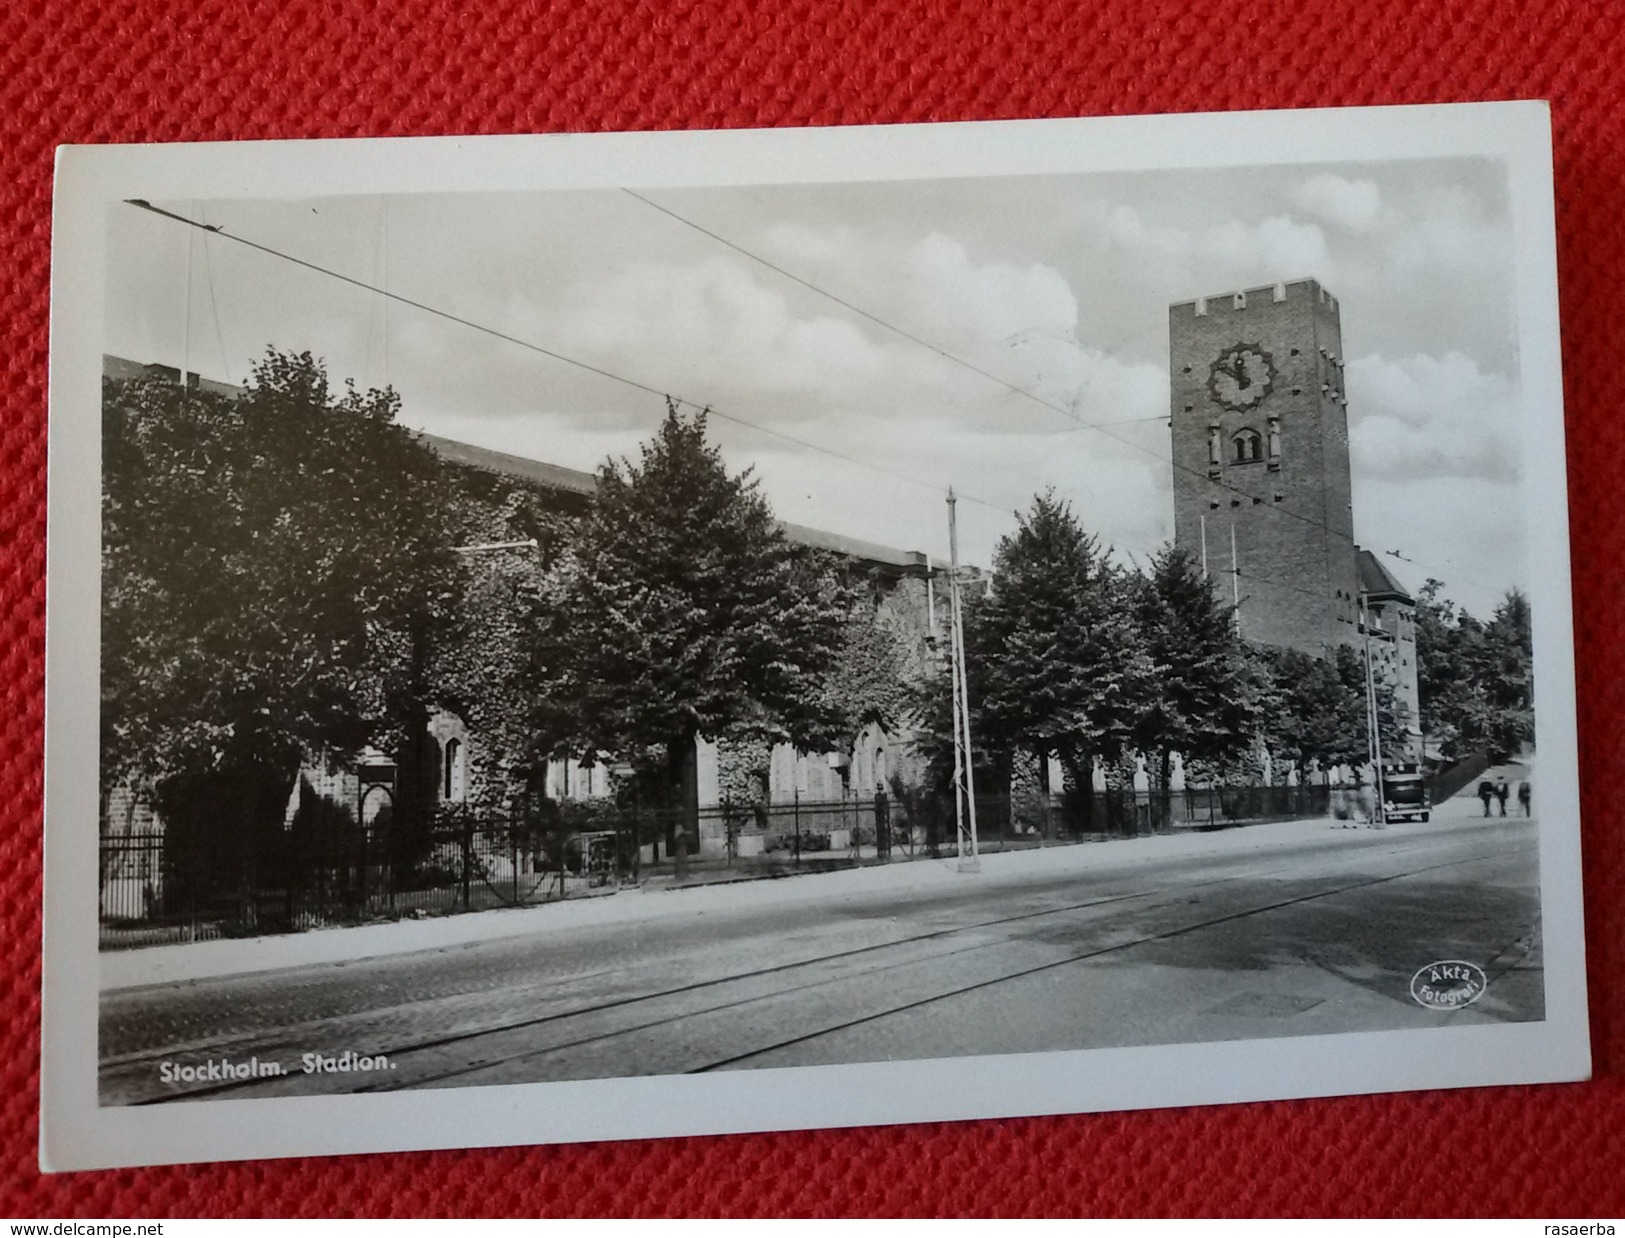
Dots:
pixel 1000 335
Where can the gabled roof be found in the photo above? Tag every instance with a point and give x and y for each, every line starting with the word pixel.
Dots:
pixel 1376 581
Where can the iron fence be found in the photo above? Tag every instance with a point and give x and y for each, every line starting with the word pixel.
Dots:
pixel 161 885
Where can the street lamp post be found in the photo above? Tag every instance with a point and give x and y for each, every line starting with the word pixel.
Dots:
pixel 963 762
pixel 1379 814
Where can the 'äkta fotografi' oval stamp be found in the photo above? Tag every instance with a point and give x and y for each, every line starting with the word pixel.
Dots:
pixel 1448 985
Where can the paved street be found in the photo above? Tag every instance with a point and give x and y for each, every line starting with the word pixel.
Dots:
pixel 1282 930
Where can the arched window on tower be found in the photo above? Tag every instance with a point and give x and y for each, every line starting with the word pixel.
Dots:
pixel 1247 447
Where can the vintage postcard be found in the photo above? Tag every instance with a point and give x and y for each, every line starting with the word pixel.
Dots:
pixel 592 636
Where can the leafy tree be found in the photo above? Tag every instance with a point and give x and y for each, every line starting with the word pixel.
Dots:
pixel 1205 699
pixel 1504 675
pixel 1450 713
pixel 1475 679
pixel 689 613
pixel 1052 653
pixel 272 580
pixel 1316 708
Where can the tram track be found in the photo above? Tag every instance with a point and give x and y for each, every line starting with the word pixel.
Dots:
pixel 490 1036
pixel 154 1056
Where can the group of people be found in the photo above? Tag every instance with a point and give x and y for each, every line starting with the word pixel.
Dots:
pixel 1500 791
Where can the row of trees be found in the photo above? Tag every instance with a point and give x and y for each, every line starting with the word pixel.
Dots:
pixel 1073 657
pixel 286 575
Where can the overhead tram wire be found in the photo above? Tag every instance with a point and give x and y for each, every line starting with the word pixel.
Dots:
pixel 447 315
pixel 875 318
pixel 1002 509
pixel 214 310
pixel 216 230
pixel 1104 428
pixel 881 322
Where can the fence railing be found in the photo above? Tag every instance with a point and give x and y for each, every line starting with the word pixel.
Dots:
pixel 162 885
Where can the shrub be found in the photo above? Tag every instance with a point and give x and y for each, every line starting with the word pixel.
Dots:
pixel 810 841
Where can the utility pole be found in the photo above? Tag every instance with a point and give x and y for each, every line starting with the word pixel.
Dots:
pixel 1379 815
pixel 383 255
pixel 953 679
pixel 186 323
pixel 971 862
pixel 1235 578
pixel 930 599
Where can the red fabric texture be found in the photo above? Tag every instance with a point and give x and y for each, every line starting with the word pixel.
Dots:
pixel 167 70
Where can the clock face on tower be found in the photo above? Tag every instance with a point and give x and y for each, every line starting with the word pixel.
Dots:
pixel 1241 376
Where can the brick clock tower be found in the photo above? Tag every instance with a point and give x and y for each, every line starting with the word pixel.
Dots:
pixel 1261 460
pixel 1262 495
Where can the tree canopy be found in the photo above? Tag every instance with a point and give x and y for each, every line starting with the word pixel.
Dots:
pixel 1317 708
pixel 689 611
pixel 1053 664
pixel 271 581
pixel 1204 700
pixel 1476 679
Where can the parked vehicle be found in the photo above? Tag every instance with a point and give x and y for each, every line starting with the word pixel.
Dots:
pixel 1405 794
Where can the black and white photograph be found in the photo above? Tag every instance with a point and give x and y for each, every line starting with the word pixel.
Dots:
pixel 711 631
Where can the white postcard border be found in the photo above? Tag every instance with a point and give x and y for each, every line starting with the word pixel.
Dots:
pixel 76 1133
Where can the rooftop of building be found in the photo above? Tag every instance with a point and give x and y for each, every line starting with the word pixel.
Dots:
pixel 576 482
pixel 555 477
pixel 549 476
pixel 1377 582
pixel 1316 288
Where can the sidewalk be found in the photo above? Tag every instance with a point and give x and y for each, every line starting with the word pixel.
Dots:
pixel 661 899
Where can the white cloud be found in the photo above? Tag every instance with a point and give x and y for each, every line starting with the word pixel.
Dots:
pixel 1468 532
pixel 712 323
pixel 1451 232
pixel 1353 206
pixel 723 330
pixel 1423 417
pixel 1230 253
pixel 982 302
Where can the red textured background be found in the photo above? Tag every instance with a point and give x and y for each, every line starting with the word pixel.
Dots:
pixel 180 70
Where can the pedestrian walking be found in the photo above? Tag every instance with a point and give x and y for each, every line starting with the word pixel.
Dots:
pixel 1524 796
pixel 1486 792
pixel 1368 805
pixel 1501 793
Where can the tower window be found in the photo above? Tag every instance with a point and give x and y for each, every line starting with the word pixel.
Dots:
pixel 1247 447
pixel 1213 505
